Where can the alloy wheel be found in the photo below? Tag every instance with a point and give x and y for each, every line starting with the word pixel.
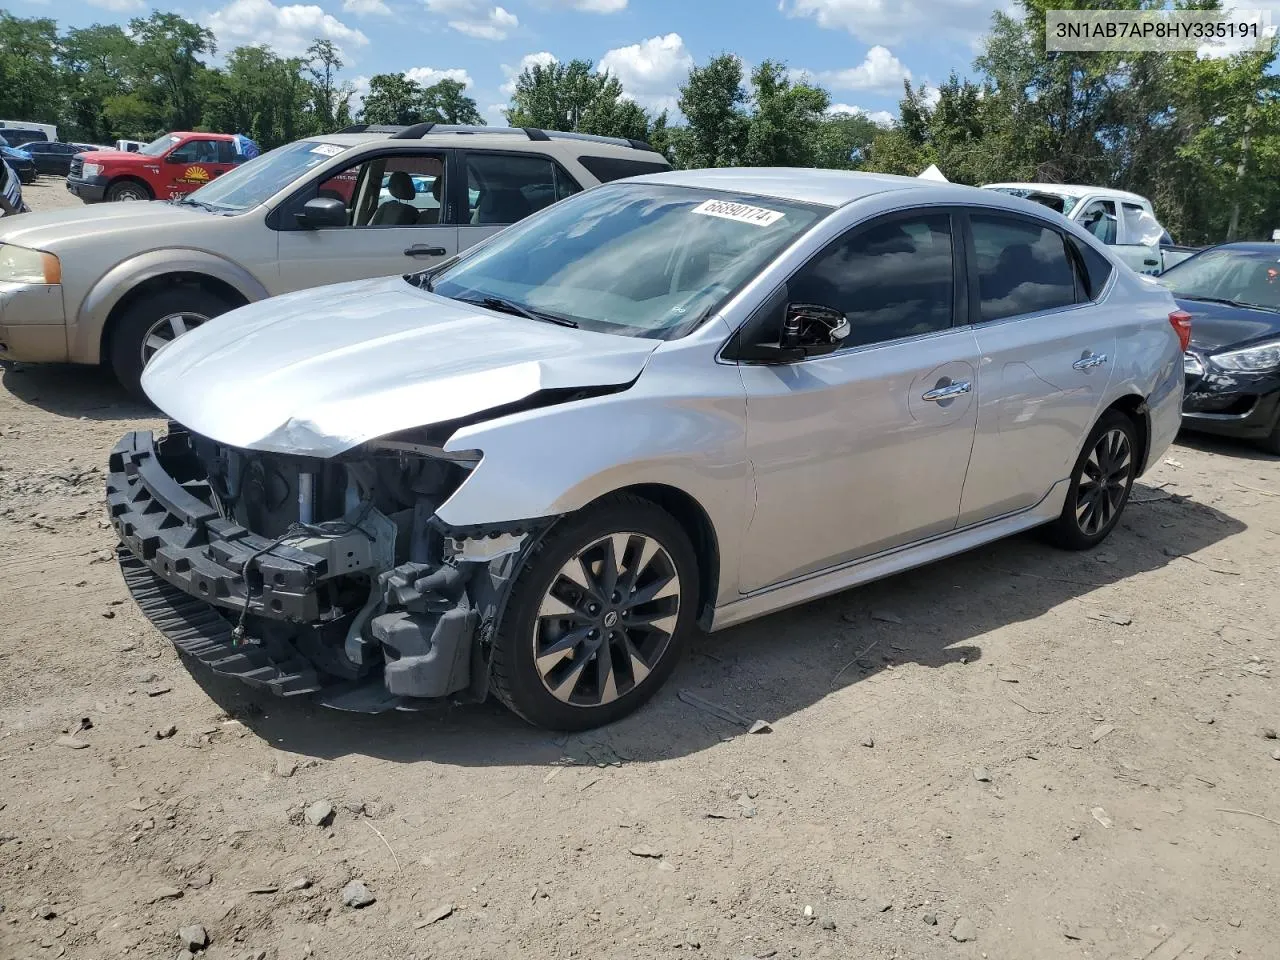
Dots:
pixel 606 619
pixel 1104 482
pixel 167 329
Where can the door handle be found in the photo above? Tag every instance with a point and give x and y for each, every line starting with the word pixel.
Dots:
pixel 422 250
pixel 949 392
pixel 1089 361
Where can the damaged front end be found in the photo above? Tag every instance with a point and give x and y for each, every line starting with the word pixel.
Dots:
pixel 330 576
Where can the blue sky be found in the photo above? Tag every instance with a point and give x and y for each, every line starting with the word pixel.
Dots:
pixel 859 49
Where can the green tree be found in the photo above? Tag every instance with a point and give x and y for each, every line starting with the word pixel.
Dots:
pixel 713 102
pixel 844 140
pixel 783 128
pixel 270 99
pixel 393 99
pixel 29 76
pixel 96 66
pixel 446 102
pixel 323 64
pixel 168 64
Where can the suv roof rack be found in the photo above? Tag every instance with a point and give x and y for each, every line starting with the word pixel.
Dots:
pixel 418 130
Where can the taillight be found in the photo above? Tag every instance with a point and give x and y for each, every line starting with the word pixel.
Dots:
pixel 1180 320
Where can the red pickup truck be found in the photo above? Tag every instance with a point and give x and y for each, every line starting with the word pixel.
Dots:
pixel 165 169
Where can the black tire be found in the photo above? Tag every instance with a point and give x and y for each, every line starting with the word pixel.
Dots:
pixel 125 350
pixel 125 190
pixel 516 678
pixel 1271 444
pixel 1074 530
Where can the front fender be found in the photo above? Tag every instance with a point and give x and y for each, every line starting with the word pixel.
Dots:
pixel 84 334
pixel 680 431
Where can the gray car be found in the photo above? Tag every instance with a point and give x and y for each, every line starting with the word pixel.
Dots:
pixel 369 201
pixel 677 401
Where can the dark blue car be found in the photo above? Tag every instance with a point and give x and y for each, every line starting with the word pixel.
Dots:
pixel 1232 366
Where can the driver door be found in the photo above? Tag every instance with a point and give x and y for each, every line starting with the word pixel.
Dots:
pixel 397 222
pixel 866 448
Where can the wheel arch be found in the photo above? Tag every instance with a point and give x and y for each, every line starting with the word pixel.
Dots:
pixel 1134 406
pixel 129 178
pixel 124 283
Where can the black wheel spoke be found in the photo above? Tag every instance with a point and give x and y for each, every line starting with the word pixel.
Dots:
pixel 1103 482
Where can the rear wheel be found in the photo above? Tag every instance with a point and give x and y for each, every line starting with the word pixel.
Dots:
pixel 153 321
pixel 127 190
pixel 1100 484
pixel 598 618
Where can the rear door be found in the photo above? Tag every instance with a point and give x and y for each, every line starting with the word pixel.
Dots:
pixel 398 221
pixel 1047 356
pixel 499 189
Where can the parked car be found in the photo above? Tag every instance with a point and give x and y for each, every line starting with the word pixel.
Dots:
pixel 24 131
pixel 21 162
pixel 1233 363
pixel 1122 220
pixel 53 158
pixel 694 397
pixel 128 146
pixel 10 204
pixel 168 168
pixel 134 276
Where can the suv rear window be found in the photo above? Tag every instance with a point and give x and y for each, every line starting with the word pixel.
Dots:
pixel 606 169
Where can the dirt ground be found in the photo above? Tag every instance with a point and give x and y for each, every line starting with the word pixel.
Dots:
pixel 1017 753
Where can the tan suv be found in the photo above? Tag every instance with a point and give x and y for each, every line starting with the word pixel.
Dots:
pixel 114 283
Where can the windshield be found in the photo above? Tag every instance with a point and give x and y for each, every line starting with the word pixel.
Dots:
pixel 160 146
pixel 256 181
pixel 636 259
pixel 1247 277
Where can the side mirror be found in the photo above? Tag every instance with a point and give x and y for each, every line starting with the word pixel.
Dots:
pixel 322 212
pixel 813 329
pixel 172 158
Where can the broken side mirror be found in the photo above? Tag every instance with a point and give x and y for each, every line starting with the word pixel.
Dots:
pixel 322 212
pixel 813 329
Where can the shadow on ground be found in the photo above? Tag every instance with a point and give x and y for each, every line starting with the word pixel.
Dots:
pixel 1225 447
pixel 73 391
pixel 774 667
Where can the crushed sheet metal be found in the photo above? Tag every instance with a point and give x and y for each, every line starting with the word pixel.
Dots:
pixel 483 550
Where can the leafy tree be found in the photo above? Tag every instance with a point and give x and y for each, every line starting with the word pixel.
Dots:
pixel 446 102
pixel 714 104
pixel 843 141
pixel 97 65
pixel 577 98
pixel 28 69
pixel 323 64
pixel 393 99
pixel 783 128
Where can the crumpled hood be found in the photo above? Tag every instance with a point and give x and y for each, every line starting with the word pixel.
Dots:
pixel 318 372
pixel 45 231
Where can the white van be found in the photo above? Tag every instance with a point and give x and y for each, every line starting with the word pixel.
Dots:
pixel 1118 218
pixel 50 130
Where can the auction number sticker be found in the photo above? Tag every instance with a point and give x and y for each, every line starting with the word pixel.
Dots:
pixel 742 212
pixel 327 149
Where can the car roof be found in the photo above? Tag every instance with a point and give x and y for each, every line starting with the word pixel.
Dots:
pixel 490 138
pixel 830 187
pixel 194 133
pixel 1070 190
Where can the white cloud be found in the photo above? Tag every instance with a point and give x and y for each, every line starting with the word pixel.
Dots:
pixel 118 6
pixel 882 117
pixel 931 95
pixel 529 60
pixel 889 21
pixel 652 70
pixel 594 6
pixel 476 18
pixel 362 8
pixel 287 30
pixel 880 71
pixel 360 90
pixel 428 76
pixel 495 115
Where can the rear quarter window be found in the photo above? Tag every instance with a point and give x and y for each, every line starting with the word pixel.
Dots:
pixel 608 169
pixel 1095 269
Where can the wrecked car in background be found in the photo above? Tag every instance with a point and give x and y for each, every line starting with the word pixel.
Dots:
pixel 681 399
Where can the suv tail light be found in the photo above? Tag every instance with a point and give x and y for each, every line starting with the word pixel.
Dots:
pixel 1180 320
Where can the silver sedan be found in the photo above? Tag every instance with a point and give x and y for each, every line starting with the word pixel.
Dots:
pixel 674 402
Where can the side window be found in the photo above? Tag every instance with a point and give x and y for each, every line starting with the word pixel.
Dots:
pixel 1099 218
pixel 226 151
pixel 892 279
pixel 1096 269
pixel 390 191
pixel 196 151
pixel 1140 226
pixel 606 169
pixel 505 188
pixel 1022 267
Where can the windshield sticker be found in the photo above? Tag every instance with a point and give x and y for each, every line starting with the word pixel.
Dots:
pixel 743 213
pixel 327 149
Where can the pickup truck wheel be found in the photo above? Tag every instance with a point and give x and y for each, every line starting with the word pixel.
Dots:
pixel 127 190
pixel 153 321
pixel 598 617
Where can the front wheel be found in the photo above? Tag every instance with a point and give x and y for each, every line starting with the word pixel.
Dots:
pixel 598 617
pixel 123 191
pixel 154 321
pixel 1100 484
